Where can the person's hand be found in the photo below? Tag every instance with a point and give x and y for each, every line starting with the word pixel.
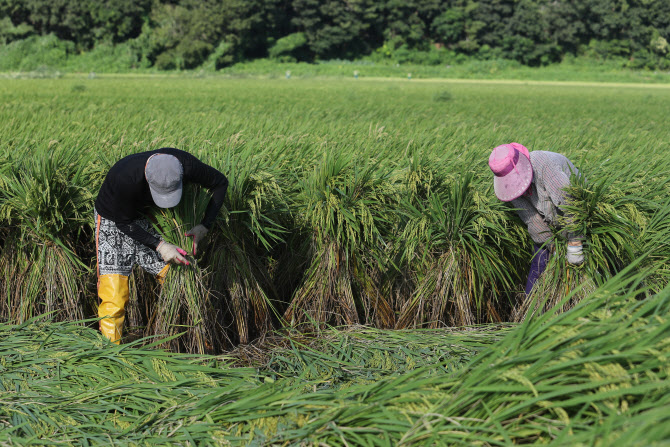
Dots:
pixel 172 253
pixel 575 253
pixel 197 233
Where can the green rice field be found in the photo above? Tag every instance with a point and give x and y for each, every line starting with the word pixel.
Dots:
pixel 362 287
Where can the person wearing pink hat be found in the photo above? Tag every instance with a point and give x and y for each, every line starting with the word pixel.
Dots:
pixel 534 183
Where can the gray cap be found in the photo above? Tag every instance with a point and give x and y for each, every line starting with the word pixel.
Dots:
pixel 164 174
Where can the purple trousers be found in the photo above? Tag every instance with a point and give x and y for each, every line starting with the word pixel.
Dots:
pixel 537 265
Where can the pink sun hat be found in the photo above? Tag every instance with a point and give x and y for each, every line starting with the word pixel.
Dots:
pixel 512 171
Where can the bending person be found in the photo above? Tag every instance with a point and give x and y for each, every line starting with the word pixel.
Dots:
pixel 124 236
pixel 534 183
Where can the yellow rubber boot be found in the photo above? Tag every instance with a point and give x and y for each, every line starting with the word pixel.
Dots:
pixel 113 291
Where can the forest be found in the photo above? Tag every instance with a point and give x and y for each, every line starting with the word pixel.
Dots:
pixel 186 34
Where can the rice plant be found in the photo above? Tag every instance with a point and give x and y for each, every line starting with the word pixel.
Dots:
pixel 416 176
pixel 593 375
pixel 340 357
pixel 461 238
pixel 654 243
pixel 562 376
pixel 45 208
pixel 185 304
pixel 342 203
pixel 609 221
pixel 251 225
pixel 277 249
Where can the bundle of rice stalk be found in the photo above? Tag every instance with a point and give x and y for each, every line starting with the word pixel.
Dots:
pixel 252 223
pixel 421 176
pixel 184 303
pixel 559 280
pixel 461 239
pixel 45 206
pixel 609 218
pixel 343 204
pixel 609 221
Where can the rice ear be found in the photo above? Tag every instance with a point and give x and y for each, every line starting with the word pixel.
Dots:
pixel 46 203
pixel 342 202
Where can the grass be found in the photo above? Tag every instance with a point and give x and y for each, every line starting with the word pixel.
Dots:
pixel 576 70
pixel 42 57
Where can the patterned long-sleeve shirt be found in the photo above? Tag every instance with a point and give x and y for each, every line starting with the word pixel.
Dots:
pixel 540 209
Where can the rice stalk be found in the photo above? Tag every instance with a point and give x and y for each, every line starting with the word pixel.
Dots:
pixel 342 204
pixel 558 281
pixel 184 304
pixel 586 376
pixel 560 375
pixel 419 176
pixel 251 225
pixel 46 205
pixel 460 237
pixel 608 221
pixel 654 243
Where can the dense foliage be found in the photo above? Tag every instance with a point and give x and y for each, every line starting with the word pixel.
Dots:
pixel 184 34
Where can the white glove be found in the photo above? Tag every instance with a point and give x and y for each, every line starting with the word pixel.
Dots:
pixel 575 254
pixel 197 233
pixel 171 253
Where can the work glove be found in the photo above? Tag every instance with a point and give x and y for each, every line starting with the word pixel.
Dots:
pixel 172 253
pixel 575 254
pixel 197 233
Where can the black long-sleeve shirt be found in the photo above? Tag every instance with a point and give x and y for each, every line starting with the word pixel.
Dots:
pixel 125 196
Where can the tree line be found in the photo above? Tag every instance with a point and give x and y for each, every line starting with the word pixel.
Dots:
pixel 169 34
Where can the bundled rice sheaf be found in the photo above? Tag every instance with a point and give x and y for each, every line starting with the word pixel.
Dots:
pixel 225 296
pixel 461 240
pixel 251 225
pixel 184 303
pixel 343 205
pixel 45 214
pixel 610 223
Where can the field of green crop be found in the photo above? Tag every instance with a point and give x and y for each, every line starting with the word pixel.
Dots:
pixel 356 203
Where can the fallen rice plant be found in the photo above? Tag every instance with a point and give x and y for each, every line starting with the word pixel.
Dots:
pixel 594 375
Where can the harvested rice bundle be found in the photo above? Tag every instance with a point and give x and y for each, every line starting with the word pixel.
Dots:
pixel 343 205
pixel 184 304
pixel 609 221
pixel 45 212
pixel 251 225
pixel 463 240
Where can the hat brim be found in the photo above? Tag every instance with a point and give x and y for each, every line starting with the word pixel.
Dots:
pixel 166 199
pixel 512 185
